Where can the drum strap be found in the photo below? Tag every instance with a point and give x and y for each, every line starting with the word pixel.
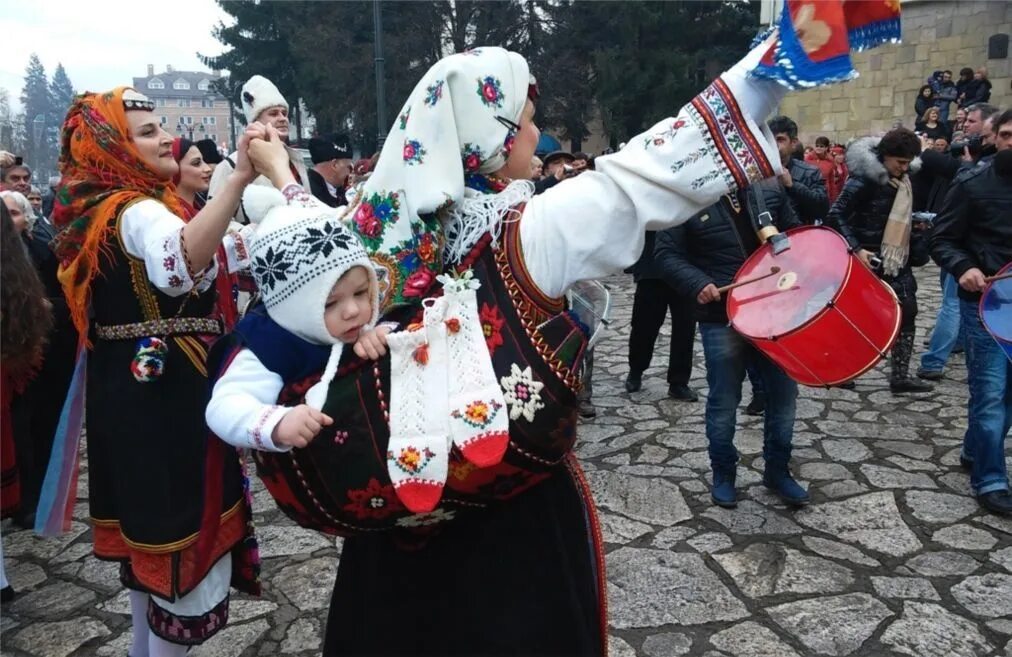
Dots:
pixel 762 220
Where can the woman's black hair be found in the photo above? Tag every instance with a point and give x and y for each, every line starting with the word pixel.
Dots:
pixel 899 142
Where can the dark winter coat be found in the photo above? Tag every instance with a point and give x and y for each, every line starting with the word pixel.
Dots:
pixel 808 194
pixel 318 188
pixel 712 245
pixel 977 91
pixel 862 209
pixel 973 227
pixel 645 268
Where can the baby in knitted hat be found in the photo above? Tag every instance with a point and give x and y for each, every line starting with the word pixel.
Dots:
pixel 319 292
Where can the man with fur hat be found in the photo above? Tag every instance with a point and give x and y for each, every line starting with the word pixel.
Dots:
pixel 331 155
pixel 261 101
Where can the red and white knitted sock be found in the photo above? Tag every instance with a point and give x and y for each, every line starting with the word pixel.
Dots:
pixel 479 420
pixel 419 448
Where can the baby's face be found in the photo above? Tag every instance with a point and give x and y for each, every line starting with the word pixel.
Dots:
pixel 349 305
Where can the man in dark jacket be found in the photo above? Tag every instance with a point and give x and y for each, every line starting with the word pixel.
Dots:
pixel 651 303
pixel 804 182
pixel 973 239
pixel 331 157
pixel 875 219
pixel 695 258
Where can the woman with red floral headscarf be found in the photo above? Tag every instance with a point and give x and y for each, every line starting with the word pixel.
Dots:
pixel 138 269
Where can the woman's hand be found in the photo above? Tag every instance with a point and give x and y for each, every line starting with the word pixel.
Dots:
pixel 268 154
pixel 244 173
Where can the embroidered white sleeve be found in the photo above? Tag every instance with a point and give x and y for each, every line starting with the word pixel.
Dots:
pixel 243 410
pixel 153 234
pixel 594 225
pixel 236 244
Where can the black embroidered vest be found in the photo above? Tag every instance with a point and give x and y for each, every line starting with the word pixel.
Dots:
pixel 339 483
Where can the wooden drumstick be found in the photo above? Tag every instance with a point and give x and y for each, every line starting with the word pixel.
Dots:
pixel 774 270
pixel 998 277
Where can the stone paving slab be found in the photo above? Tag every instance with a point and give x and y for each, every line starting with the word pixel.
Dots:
pixel 891 559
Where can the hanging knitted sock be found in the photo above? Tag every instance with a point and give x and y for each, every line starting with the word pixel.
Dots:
pixel 159 647
pixel 139 621
pixel 419 448
pixel 479 423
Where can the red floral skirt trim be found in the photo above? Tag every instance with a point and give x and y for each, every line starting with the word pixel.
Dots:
pixel 168 570
pixel 597 545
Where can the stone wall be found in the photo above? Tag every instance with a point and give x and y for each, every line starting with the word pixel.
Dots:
pixel 937 35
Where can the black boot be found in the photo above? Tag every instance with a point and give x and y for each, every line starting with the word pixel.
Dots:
pixel 634 381
pixel 899 360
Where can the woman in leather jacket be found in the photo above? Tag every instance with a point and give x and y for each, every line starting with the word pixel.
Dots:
pixel 861 212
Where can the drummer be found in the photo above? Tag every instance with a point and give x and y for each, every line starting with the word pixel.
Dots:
pixel 973 239
pixel 695 258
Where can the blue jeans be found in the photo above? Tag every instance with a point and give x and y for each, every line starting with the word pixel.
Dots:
pixel 989 375
pixel 727 354
pixel 947 327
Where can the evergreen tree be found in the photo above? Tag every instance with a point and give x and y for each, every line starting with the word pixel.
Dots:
pixel 38 104
pixel 61 90
pixel 258 45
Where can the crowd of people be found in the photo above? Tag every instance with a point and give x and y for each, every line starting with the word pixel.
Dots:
pixel 129 282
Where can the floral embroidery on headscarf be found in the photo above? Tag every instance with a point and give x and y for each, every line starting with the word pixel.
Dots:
pixel 373 215
pixel 429 167
pixel 507 145
pixel 101 172
pixel 472 157
pixel 432 94
pixel 490 91
pixel 413 151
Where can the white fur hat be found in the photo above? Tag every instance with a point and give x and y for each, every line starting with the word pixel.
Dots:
pixel 299 251
pixel 258 94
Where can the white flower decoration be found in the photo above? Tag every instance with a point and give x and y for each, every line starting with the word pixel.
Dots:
pixel 423 519
pixel 466 281
pixel 522 393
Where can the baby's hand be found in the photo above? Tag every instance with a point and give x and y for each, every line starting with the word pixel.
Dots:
pixel 299 426
pixel 372 344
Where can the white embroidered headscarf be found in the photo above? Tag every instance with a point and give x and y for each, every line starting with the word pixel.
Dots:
pixel 458 120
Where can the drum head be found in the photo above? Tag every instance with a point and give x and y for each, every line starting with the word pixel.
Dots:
pixel 811 273
pixel 996 308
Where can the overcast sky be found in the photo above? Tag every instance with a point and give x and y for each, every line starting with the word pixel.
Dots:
pixel 105 44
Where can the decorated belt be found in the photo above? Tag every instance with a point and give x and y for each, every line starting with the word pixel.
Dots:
pixel 160 327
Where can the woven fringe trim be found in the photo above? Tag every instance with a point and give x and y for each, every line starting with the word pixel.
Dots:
pixel 476 214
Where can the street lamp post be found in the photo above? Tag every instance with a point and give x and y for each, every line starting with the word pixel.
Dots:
pixel 381 113
pixel 38 129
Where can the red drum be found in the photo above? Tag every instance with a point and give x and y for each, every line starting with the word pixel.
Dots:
pixel 823 317
pixel 996 309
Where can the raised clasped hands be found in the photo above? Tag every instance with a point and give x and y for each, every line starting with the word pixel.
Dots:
pixel 265 150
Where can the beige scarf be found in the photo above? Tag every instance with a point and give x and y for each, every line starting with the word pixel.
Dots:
pixel 896 238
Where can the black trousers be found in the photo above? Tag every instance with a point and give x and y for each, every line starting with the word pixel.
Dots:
pixel 653 300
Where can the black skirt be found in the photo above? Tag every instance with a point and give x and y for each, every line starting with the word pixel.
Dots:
pixel 523 579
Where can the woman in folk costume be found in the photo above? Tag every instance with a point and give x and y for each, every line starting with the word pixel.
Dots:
pixel 139 276
pixel 192 181
pixel 482 382
pixel 448 465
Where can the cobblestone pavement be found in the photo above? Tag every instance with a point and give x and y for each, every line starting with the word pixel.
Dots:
pixel 892 558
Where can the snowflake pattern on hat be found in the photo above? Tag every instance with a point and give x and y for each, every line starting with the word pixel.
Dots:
pixel 297 253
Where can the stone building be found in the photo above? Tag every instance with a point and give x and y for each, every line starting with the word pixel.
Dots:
pixel 187 103
pixel 937 35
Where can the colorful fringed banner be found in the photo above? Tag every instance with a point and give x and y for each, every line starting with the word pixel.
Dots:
pixel 816 37
pixel 59 489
